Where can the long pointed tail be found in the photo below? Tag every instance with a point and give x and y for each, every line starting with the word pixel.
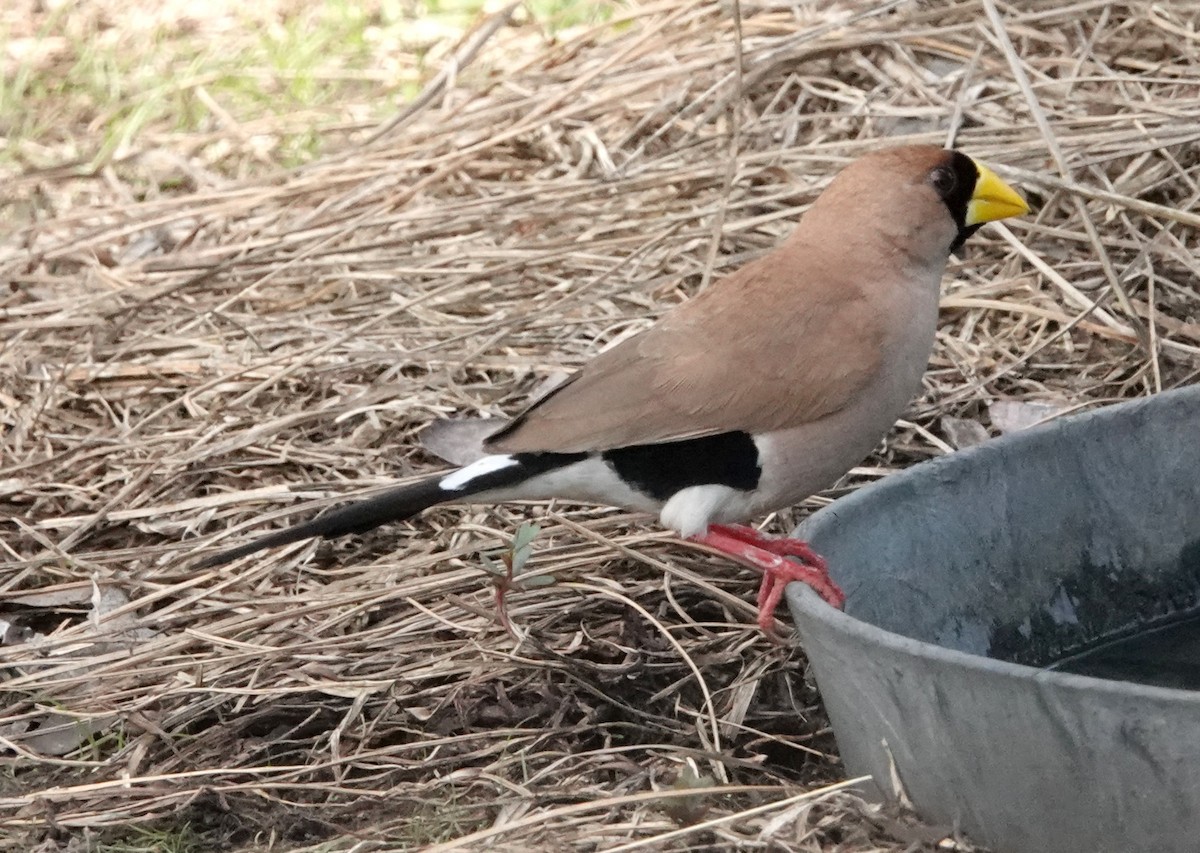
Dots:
pixel 393 505
pixel 491 472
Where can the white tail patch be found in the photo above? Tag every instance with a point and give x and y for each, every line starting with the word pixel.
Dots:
pixel 456 480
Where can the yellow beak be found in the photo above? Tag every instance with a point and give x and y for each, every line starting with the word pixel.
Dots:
pixel 993 199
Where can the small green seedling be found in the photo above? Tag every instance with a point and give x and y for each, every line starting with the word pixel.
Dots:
pixel 509 572
pixel 690 809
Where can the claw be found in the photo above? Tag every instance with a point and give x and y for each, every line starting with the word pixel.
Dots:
pixel 770 556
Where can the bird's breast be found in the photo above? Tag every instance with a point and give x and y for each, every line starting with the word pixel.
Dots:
pixel 802 460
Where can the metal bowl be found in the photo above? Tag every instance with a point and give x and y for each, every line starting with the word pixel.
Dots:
pixel 965 577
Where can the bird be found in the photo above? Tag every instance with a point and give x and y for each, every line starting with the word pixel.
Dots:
pixel 762 390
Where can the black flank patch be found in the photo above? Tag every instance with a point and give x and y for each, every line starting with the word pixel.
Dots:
pixel 661 470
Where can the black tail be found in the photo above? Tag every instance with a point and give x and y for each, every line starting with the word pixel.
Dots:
pixel 401 502
pixel 393 505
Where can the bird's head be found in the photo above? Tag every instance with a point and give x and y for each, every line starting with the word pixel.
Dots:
pixel 924 199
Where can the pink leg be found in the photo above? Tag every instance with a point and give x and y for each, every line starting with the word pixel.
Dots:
pixel 752 548
pixel 782 547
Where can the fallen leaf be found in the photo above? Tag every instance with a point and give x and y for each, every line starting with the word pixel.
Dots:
pixel 1015 415
pixel 963 432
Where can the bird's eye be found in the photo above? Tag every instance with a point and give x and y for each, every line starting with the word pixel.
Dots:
pixel 943 181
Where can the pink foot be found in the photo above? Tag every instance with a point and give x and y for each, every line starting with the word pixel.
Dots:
pixel 752 548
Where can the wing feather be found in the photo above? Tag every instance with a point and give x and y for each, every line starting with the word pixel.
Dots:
pixel 734 358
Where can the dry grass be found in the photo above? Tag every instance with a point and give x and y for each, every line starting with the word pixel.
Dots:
pixel 177 365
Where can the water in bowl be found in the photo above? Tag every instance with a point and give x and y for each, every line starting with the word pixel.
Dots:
pixel 1162 655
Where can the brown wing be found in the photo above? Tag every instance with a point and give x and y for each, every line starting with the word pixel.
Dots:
pixel 776 344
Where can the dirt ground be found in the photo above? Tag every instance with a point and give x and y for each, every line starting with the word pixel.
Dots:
pixel 228 305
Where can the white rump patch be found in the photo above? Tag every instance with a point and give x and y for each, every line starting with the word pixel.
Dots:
pixel 456 480
pixel 590 480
